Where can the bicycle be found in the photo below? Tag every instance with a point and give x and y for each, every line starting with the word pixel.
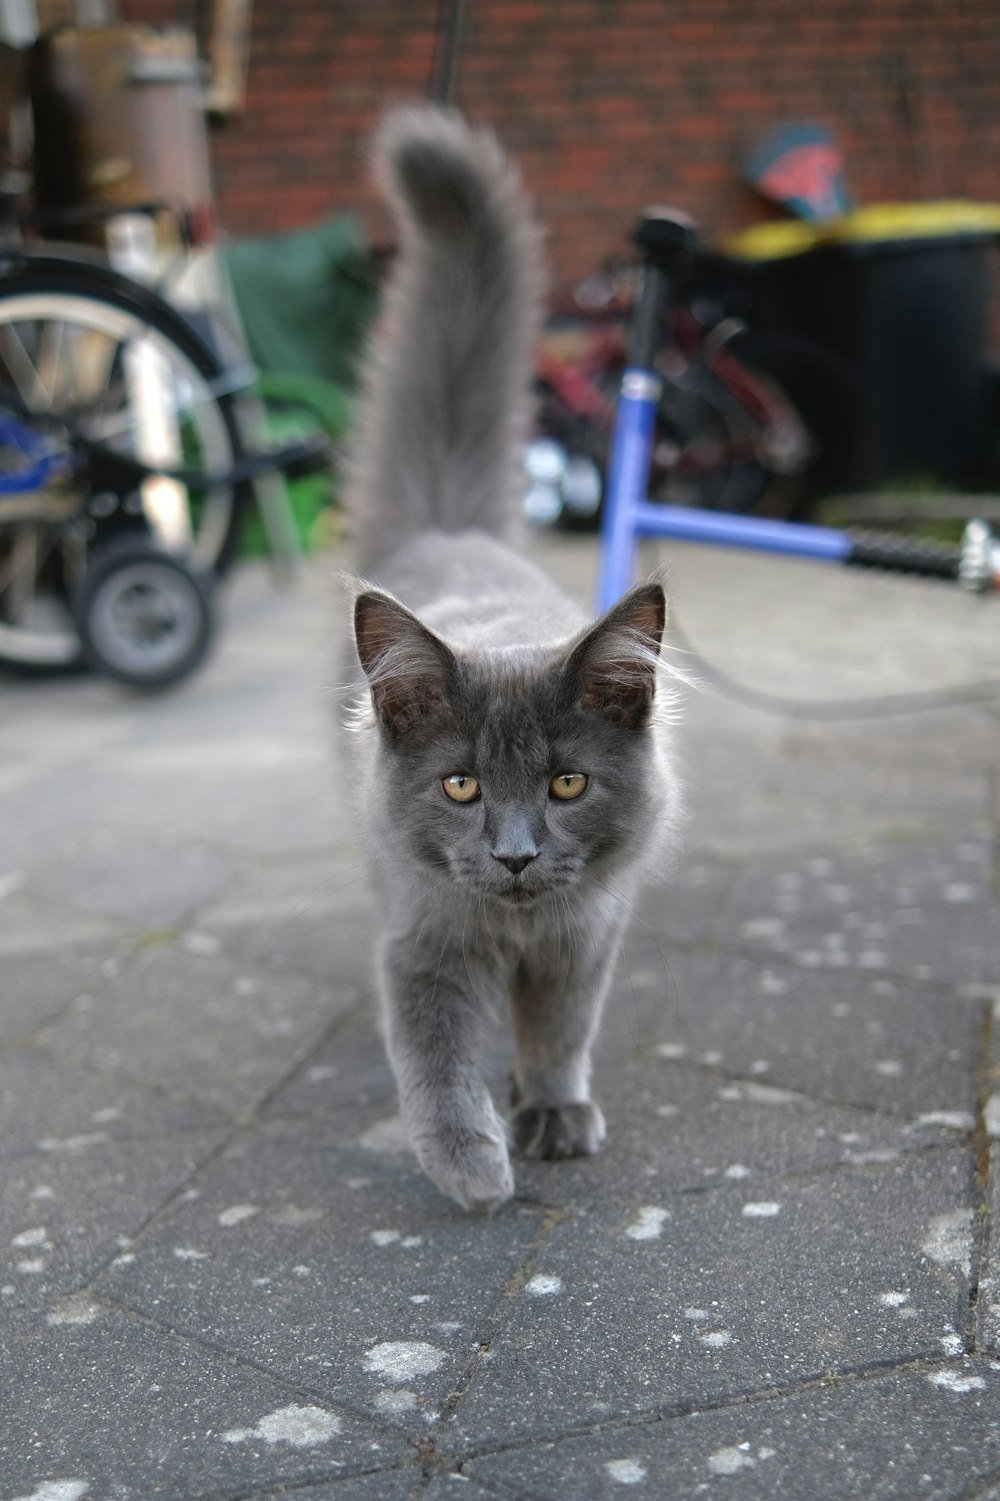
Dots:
pixel 668 242
pixel 746 421
pixel 124 473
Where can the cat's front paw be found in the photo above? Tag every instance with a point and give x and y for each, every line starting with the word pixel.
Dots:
pixel 472 1168
pixel 553 1131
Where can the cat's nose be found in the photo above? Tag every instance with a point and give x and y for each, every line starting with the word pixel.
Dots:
pixel 515 863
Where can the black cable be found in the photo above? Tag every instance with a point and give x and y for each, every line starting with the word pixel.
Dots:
pixel 968 695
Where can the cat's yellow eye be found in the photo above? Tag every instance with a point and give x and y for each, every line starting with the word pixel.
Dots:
pixel 461 788
pixel 567 785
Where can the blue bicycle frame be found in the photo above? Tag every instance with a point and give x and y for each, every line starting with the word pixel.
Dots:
pixel 629 514
pixel 39 463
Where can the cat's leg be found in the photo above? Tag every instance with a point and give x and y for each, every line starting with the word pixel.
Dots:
pixel 437 1004
pixel 556 1003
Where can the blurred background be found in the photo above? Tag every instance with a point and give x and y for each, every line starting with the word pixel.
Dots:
pixel 830 354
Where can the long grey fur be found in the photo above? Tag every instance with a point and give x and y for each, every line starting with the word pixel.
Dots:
pixel 513 902
pixel 445 405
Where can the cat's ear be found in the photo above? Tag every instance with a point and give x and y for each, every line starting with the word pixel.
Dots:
pixel 613 667
pixel 409 669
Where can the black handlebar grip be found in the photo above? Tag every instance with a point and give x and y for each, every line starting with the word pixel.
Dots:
pixel 902 555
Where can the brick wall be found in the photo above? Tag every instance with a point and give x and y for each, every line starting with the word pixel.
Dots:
pixel 613 103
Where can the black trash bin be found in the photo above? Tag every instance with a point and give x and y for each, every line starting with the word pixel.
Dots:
pixel 901 293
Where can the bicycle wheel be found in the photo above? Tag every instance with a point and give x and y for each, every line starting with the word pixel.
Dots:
pixel 703 448
pixel 86 353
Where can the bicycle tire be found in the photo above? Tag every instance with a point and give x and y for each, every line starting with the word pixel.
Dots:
pixel 65 318
pixel 700 425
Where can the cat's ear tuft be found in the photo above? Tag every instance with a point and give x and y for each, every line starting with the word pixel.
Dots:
pixel 614 665
pixel 409 670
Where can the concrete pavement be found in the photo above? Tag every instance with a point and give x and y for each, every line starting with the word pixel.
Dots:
pixel 223 1276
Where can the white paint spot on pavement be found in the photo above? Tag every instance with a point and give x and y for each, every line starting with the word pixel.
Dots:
pixel 765 1209
pixel 671 1050
pixel 237 1213
pixel 769 1094
pixel 949 1240
pixel 728 1461
pixel 386 1137
pixel 736 1170
pixel 542 1286
pixel 889 1068
pixel 293 1216
pixel 991 1115
pixel 649 1225
pixel 954 1381
pixel 384 1237
pixel 73 1143
pixel 394 1404
pixel 299 1427
pixel 319 1073
pixel 763 927
pixel 74 1310
pixel 188 1253
pixel 625 1471
pixel 717 1339
pixel 400 1360
pixel 893 1299
pixel 58 1490
pixel 204 945
pixel 952 1120
pixel 27 1238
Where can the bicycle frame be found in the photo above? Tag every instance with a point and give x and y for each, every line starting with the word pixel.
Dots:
pixel 39 462
pixel 629 515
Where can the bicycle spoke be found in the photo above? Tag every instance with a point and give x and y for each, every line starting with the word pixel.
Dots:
pixel 49 363
pixel 23 371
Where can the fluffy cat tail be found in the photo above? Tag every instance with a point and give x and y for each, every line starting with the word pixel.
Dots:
pixel 445 405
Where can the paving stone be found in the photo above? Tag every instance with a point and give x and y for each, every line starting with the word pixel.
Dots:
pixel 624 1306
pixel 127 1409
pixel 53 1105
pixel 346 1075
pixel 924 909
pixel 40 985
pixel 339 1270
pixel 29 927
pixel 696 1299
pixel 154 882
pixel 67 1211
pixel 931 1433
pixel 200 1024
pixel 685 907
pixel 313 914
pixel 674 1128
pixel 856 1036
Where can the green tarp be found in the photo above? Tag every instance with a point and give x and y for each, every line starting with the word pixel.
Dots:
pixel 305 298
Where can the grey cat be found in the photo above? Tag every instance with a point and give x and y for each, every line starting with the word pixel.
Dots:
pixel 512 766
